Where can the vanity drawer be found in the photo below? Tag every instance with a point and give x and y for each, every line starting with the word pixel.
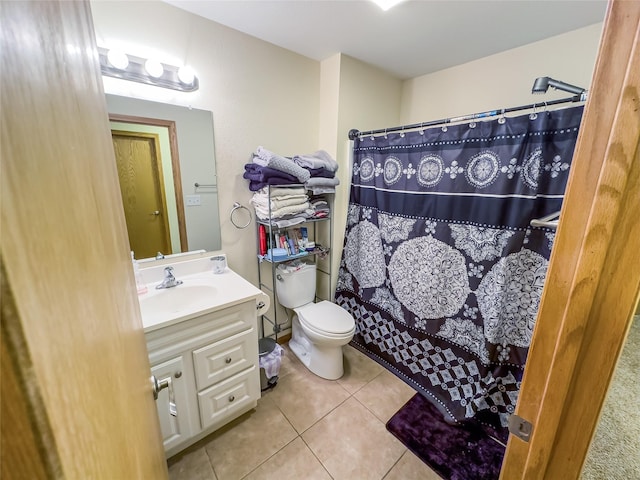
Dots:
pixel 219 360
pixel 235 393
pixel 172 340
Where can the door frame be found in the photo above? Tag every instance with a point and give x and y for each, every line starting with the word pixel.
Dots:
pixel 175 165
pixel 594 273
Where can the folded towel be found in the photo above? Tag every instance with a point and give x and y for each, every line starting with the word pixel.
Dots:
pixel 321 182
pixel 278 202
pixel 256 185
pixel 269 159
pixel 253 171
pixel 282 192
pixel 288 222
pixel 320 172
pixel 282 212
pixel 319 159
pixel 322 190
pixel 260 176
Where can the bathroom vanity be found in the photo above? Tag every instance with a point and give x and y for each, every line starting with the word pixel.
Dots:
pixel 203 347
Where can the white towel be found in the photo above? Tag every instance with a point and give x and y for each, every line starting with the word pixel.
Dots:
pixel 281 212
pixel 319 159
pixel 277 192
pixel 278 202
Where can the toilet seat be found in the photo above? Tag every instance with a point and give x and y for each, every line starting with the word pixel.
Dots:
pixel 326 318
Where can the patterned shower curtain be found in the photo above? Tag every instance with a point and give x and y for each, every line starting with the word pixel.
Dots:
pixel 441 269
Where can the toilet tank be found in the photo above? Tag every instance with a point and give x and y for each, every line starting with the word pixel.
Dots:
pixel 295 284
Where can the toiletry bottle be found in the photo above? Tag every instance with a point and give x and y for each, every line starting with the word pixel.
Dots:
pixel 263 240
pixel 140 286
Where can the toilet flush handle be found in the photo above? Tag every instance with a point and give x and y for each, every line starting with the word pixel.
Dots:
pixel 279 277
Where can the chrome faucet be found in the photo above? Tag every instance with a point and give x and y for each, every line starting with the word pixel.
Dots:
pixel 169 280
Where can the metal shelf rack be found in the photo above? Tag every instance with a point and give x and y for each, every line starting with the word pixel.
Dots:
pixel 324 251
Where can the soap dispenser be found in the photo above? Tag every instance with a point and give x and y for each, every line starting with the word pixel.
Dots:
pixel 140 285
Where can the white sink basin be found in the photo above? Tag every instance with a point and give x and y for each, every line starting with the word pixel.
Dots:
pixel 176 299
pixel 201 292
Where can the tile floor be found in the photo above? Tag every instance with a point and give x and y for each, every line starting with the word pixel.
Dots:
pixel 309 428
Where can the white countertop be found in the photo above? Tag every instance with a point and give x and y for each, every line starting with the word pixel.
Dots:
pixel 201 292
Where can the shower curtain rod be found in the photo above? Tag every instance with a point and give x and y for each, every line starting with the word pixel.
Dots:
pixel 353 133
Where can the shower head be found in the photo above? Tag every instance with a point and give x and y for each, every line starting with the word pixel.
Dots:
pixel 542 84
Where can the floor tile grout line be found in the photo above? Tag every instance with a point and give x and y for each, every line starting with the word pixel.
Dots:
pixel 396 463
pixel 314 454
pixel 271 456
pixel 371 411
pixel 213 468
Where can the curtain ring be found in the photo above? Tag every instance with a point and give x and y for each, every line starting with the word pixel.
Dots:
pixel 402 133
pixel 533 115
pixel 421 129
pixel 237 206
pixel 472 124
pixel 385 133
pixel 501 118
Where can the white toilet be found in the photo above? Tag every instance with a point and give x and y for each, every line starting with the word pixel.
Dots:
pixel 319 330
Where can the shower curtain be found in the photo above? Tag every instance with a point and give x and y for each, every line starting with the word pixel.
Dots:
pixel 441 269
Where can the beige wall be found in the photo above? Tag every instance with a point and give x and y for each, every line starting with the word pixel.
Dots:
pixel 259 94
pixel 368 98
pixel 504 79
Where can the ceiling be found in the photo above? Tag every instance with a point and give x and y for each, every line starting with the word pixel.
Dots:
pixel 412 39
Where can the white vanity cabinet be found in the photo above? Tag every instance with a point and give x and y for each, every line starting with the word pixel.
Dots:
pixel 212 361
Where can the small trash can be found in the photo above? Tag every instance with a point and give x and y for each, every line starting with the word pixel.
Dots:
pixel 270 359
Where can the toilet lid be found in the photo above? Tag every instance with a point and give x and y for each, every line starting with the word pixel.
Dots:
pixel 326 317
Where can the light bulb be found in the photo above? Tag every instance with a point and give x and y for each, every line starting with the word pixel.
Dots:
pixel 186 75
pixel 154 68
pixel 118 59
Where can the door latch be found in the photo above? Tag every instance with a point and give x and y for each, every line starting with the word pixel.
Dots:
pixel 520 427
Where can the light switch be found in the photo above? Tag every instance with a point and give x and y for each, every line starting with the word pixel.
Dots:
pixel 192 200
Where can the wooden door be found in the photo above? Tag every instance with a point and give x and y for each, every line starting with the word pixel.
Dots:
pixel 143 195
pixel 73 350
pixel 594 273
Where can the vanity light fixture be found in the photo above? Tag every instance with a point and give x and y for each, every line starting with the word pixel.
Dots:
pixel 150 71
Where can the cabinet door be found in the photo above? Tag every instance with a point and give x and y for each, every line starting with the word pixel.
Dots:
pixel 175 429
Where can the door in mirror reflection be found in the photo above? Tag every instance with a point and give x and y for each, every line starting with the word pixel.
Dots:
pixel 143 194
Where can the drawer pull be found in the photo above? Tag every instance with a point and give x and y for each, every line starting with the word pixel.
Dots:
pixel 227 360
pixel 231 398
pixel 178 374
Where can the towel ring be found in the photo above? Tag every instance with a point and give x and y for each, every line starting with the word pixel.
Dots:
pixel 237 206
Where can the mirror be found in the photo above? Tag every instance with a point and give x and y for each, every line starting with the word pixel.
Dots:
pixel 178 150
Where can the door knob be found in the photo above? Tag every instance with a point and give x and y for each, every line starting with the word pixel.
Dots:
pixel 156 385
pixel 156 213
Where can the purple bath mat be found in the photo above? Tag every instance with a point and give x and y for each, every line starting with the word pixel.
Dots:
pixel 455 452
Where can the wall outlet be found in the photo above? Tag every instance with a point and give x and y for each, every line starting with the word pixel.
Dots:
pixel 192 200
